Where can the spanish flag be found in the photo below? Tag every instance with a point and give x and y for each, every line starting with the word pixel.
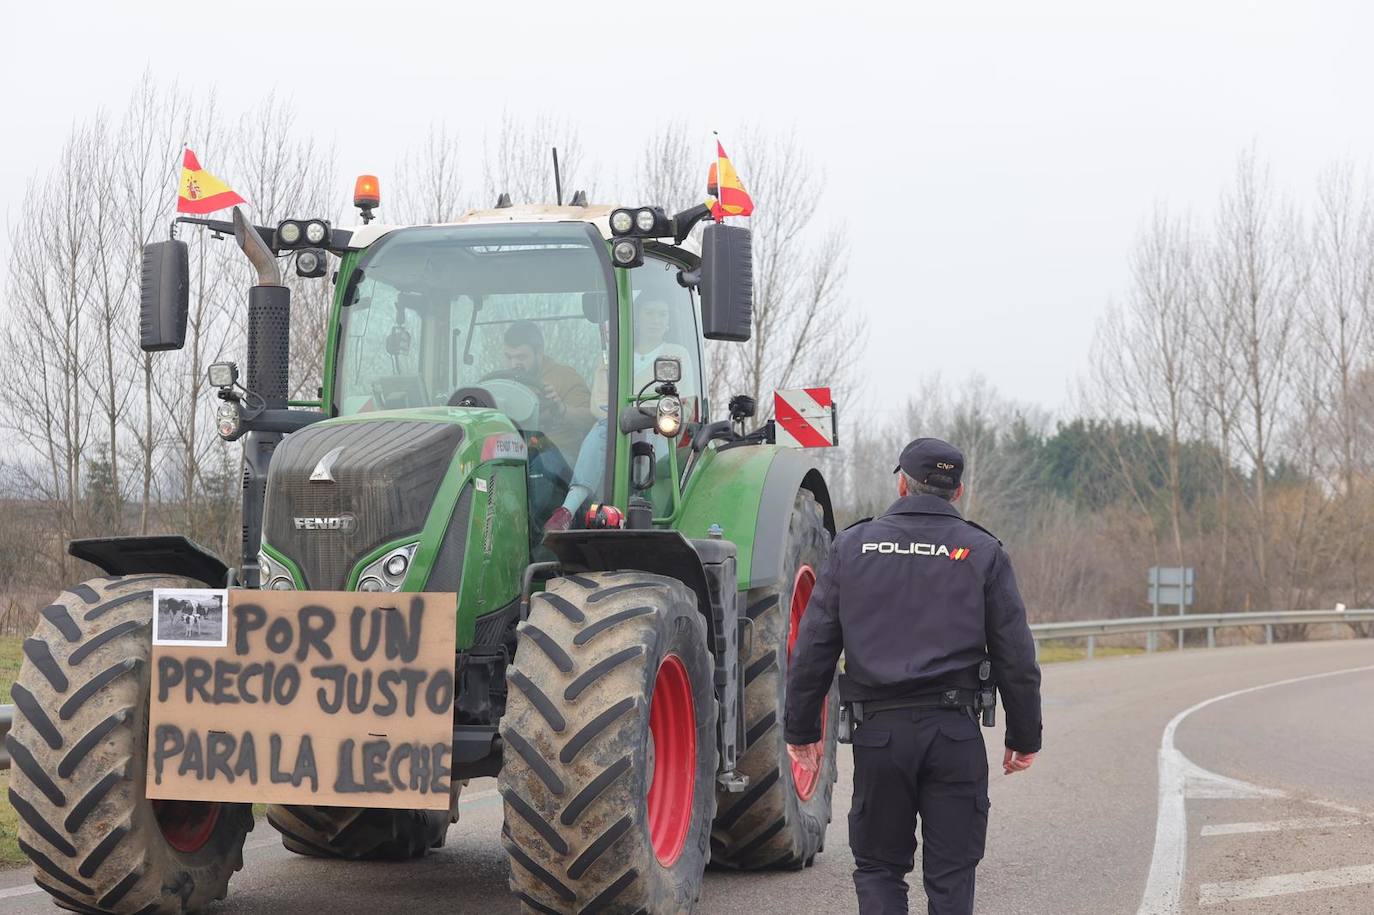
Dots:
pixel 201 192
pixel 727 195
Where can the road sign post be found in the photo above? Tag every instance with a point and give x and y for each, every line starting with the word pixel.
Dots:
pixel 1169 586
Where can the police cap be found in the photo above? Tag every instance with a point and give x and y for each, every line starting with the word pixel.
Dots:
pixel 933 462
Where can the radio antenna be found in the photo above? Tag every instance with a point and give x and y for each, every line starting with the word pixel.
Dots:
pixel 557 178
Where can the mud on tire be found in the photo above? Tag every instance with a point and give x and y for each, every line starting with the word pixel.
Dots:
pixel 608 785
pixel 79 749
pixel 771 824
pixel 358 833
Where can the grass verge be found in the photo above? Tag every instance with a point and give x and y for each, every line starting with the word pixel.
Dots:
pixel 11 656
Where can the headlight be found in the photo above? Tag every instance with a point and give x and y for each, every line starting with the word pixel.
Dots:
pixel 274 576
pixel 389 572
pixel 227 420
pixel 622 221
pixel 289 233
pixel 645 220
pixel 669 418
pixel 316 232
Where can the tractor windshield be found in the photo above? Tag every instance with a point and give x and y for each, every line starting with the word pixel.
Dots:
pixel 513 316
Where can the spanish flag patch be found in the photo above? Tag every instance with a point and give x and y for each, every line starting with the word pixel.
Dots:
pixel 958 553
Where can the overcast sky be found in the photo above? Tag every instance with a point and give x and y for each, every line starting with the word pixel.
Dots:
pixel 991 160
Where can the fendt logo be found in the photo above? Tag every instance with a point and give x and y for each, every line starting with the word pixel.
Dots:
pixel 344 523
pixel 916 549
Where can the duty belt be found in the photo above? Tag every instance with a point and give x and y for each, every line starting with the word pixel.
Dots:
pixel 950 698
pixel 854 713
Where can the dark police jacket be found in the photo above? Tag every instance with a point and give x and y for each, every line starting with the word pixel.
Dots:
pixel 916 598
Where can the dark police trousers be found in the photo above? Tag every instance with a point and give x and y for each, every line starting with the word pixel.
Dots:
pixel 910 763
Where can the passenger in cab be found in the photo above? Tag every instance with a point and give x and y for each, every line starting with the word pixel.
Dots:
pixel 651 322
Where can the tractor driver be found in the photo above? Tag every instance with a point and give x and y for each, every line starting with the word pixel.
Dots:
pixel 565 405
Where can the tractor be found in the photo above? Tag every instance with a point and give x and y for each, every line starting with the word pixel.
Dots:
pixel 513 415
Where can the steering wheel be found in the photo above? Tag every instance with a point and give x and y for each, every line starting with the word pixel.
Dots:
pixel 472 397
pixel 514 392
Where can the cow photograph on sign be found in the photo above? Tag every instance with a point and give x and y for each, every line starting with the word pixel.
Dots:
pixel 189 617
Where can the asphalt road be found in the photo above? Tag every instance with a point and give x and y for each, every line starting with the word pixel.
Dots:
pixel 1259 802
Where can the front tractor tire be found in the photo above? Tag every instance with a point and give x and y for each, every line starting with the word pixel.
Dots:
pixel 779 820
pixel 79 749
pixel 610 747
pixel 358 833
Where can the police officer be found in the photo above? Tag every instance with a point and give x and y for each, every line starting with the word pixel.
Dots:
pixel 918 599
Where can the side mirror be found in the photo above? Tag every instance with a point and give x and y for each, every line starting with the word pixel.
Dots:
pixel 164 296
pixel 727 283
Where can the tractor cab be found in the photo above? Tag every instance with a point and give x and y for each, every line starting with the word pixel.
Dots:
pixel 517 310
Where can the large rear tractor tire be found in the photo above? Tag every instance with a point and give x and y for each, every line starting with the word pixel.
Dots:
pixel 79 748
pixel 358 833
pixel 779 820
pixel 610 747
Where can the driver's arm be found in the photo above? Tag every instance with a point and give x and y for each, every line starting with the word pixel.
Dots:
pixel 576 397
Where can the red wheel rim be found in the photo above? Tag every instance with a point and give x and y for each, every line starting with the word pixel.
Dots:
pixel 803 782
pixel 186 825
pixel 673 730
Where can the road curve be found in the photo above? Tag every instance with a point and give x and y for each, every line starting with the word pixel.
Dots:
pixel 1281 818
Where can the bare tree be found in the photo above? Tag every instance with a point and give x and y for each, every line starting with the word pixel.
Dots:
pixel 155 125
pixel 518 160
pixel 1143 353
pixel 428 183
pixel 670 172
pixel 1259 279
pixel 804 333
pixel 1338 311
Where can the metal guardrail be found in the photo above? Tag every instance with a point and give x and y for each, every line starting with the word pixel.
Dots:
pixel 1085 629
pixel 1092 629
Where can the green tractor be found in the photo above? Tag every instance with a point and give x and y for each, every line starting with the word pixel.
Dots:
pixel 513 413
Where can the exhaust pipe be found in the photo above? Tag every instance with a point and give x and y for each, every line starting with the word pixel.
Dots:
pixel 269 320
pixel 266 370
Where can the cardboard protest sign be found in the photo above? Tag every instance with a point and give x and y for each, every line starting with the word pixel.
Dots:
pixel 312 697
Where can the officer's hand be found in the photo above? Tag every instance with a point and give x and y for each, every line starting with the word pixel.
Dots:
pixel 1013 761
pixel 808 757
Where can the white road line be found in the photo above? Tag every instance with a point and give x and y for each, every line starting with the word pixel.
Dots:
pixel 1177 776
pixel 1285 884
pixel 264 842
pixel 1233 829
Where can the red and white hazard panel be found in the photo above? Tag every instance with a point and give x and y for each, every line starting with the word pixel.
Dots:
pixel 805 418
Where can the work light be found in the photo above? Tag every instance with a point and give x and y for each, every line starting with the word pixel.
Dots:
pixel 311 263
pixel 223 374
pixel 622 222
pixel 669 418
pixel 627 252
pixel 316 232
pixel 645 220
pixel 667 370
pixel 288 233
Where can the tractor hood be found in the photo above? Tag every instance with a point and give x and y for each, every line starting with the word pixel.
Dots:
pixel 343 491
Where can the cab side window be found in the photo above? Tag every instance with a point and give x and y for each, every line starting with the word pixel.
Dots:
pixel 665 324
